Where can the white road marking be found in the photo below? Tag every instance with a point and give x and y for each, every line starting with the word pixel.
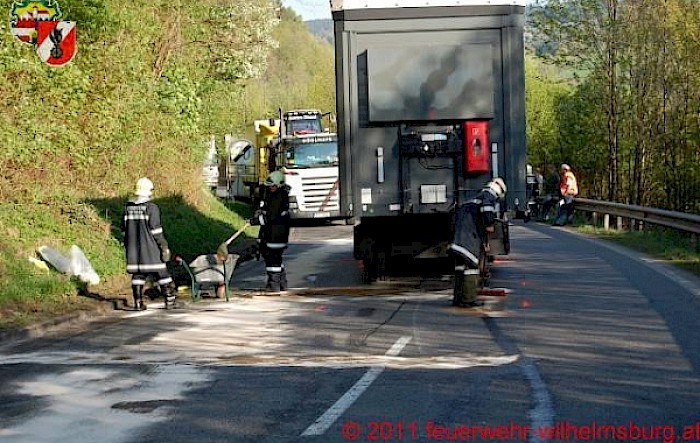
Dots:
pixel 325 421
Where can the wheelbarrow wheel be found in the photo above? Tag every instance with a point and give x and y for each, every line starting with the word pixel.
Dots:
pixel 153 293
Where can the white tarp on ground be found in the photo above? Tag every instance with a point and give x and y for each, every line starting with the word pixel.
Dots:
pixel 75 263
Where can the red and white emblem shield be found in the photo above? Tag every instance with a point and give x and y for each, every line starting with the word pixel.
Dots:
pixel 24 30
pixel 56 42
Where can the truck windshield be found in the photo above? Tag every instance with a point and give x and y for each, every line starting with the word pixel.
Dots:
pixel 304 126
pixel 312 155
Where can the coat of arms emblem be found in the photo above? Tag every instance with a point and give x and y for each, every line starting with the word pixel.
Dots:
pixel 25 16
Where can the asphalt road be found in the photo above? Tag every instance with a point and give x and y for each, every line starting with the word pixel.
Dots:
pixel 593 343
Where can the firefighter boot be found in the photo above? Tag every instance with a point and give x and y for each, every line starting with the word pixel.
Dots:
pixel 273 281
pixel 458 289
pixel 169 295
pixel 137 291
pixel 466 286
pixel 283 280
pixel 135 294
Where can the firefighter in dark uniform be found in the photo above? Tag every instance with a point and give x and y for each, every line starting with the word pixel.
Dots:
pixel 473 221
pixel 147 250
pixel 274 221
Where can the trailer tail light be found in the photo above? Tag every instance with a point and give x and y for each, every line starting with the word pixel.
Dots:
pixel 476 147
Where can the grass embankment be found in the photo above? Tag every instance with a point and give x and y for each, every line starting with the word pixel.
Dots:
pixel 667 245
pixel 29 294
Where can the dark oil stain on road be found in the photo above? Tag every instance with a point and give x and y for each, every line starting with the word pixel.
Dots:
pixel 144 407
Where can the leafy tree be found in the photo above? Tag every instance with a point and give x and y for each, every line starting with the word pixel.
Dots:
pixel 543 91
pixel 636 67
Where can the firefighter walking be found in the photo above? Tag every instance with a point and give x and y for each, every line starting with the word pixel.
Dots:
pixel 274 221
pixel 147 250
pixel 473 221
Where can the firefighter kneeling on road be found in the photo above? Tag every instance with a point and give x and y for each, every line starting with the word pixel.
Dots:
pixel 274 221
pixel 473 221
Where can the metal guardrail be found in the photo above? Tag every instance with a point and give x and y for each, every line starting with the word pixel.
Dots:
pixel 676 220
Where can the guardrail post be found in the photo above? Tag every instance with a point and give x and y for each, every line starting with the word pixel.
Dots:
pixel 619 223
pixel 595 219
pixel 606 222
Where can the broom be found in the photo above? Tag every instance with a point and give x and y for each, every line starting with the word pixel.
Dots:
pixel 222 250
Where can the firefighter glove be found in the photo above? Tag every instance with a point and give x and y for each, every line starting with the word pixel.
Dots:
pixel 258 218
pixel 165 254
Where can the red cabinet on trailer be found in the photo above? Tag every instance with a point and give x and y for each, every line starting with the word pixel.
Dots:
pixel 476 147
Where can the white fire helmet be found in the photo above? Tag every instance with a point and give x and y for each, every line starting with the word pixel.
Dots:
pixel 498 186
pixel 144 187
pixel 275 178
pixel 565 167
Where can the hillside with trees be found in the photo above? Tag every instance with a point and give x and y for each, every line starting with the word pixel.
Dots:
pixel 151 82
pixel 322 28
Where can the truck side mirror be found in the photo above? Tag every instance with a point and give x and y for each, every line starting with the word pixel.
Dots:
pixel 242 153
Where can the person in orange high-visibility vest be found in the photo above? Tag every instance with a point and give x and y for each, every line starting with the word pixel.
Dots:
pixel 568 187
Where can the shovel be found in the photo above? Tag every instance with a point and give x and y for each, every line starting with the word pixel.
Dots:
pixel 222 250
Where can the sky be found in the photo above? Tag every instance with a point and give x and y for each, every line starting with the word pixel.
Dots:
pixel 314 9
pixel 310 9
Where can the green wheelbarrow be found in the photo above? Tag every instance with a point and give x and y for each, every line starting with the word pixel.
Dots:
pixel 210 274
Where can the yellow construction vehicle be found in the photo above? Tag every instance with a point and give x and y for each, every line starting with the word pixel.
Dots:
pixel 248 163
